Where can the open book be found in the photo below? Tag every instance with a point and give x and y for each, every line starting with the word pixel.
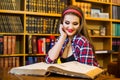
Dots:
pixel 73 68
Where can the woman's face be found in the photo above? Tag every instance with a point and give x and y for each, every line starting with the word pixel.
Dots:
pixel 71 24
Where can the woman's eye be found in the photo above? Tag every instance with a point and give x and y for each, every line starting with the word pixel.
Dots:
pixel 67 22
pixel 75 23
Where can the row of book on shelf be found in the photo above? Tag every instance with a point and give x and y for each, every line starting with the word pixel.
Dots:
pixel 13 24
pixel 46 6
pixel 116 45
pixel 6 62
pixel 34 59
pixel 115 12
pixel 42 25
pixel 39 45
pixel 90 11
pixel 115 29
pixel 34 44
pixel 7 45
pixel 10 23
pixel 12 61
pixel 10 4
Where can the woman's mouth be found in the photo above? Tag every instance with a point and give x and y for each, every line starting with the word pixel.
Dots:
pixel 70 30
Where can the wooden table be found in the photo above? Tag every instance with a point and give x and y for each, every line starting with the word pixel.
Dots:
pixel 4 75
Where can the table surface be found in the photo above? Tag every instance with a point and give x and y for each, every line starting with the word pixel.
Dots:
pixel 4 75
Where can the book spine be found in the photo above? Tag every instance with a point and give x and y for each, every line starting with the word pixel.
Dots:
pixel 13 51
pixel 47 45
pixel 1 44
pixel 40 46
pixel 2 62
pixel 29 44
pixel 9 44
pixel 17 61
pixel 34 44
pixel 13 62
pixel 5 38
pixel 6 62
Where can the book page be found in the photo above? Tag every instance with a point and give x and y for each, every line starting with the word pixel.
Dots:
pixel 75 66
pixel 32 69
pixel 77 69
pixel 40 65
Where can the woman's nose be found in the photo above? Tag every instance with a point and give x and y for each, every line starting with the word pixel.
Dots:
pixel 70 26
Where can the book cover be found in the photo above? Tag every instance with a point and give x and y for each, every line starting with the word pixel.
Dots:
pixel 73 68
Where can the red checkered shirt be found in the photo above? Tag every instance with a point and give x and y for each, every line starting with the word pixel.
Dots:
pixel 81 49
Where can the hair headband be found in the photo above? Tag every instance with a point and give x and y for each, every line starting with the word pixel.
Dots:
pixel 72 10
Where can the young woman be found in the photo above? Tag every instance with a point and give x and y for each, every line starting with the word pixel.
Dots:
pixel 74 43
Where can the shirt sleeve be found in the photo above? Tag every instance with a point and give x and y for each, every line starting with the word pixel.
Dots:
pixel 48 60
pixel 85 53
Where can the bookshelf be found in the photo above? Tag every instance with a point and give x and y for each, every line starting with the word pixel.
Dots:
pixel 26 14
pixel 105 17
pixel 26 19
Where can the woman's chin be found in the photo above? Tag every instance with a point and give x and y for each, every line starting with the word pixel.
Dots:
pixel 71 35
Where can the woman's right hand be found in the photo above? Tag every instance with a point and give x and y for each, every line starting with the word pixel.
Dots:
pixel 62 32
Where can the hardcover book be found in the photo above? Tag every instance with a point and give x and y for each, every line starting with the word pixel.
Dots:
pixel 73 69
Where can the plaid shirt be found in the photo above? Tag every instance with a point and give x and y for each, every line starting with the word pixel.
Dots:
pixel 81 49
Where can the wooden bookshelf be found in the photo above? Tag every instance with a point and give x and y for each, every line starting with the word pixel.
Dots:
pixel 21 10
pixel 34 10
pixel 101 42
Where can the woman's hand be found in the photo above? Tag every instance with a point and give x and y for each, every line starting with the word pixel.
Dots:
pixel 62 32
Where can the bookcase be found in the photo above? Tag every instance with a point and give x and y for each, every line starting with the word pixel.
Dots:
pixel 27 27
pixel 102 15
pixel 36 21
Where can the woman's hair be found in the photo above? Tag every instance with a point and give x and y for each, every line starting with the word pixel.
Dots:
pixel 83 26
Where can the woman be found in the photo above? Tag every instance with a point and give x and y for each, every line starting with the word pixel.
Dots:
pixel 74 43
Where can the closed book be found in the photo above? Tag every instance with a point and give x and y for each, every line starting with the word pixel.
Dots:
pixel 30 60
pixel 17 61
pixel 6 62
pixel 9 45
pixel 13 62
pixel 29 45
pixel 47 45
pixel 10 62
pixel 34 44
pixel 1 44
pixel 13 51
pixel 5 43
pixel 1 62
pixel 40 45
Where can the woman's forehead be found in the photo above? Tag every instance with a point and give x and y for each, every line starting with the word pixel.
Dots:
pixel 71 17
